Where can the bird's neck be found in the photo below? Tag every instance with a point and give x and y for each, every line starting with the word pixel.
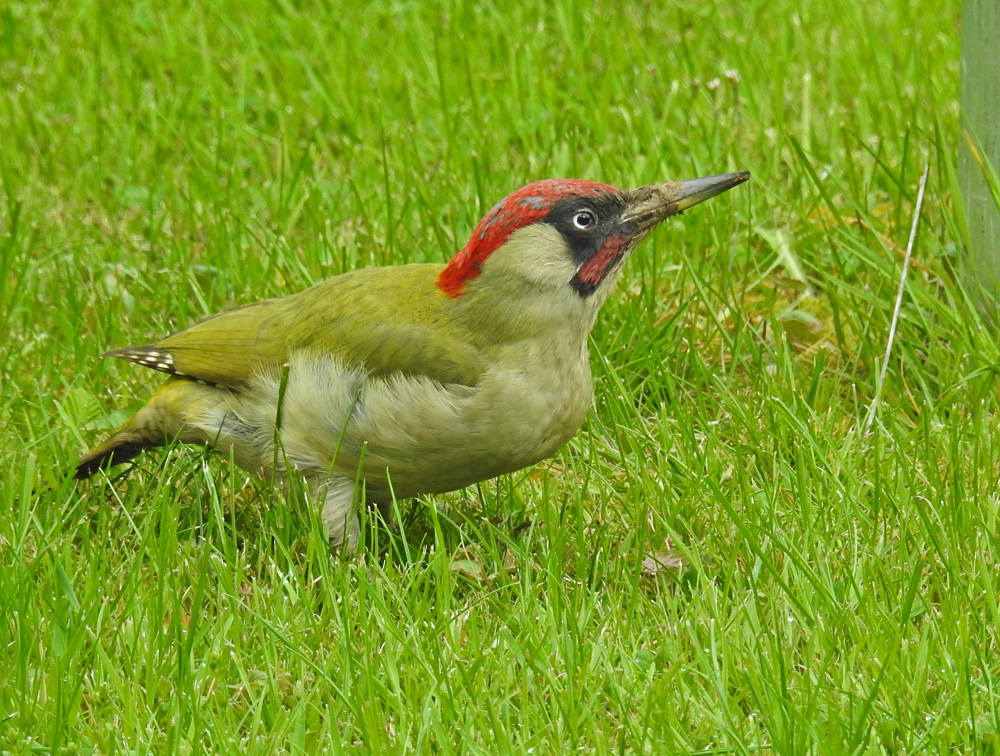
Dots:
pixel 501 309
pixel 523 291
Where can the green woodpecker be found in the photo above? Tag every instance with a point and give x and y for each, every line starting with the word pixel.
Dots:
pixel 413 379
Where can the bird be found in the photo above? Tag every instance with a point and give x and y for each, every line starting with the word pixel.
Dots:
pixel 392 382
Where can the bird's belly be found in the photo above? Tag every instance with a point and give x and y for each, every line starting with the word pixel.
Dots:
pixel 403 435
pixel 422 437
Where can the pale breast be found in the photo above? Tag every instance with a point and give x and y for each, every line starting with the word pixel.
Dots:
pixel 433 438
pixel 409 434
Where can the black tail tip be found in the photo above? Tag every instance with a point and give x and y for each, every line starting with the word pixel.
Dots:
pixel 101 460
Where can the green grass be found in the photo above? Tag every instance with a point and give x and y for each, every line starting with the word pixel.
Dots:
pixel 834 588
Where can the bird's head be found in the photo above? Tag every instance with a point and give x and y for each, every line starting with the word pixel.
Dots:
pixel 571 235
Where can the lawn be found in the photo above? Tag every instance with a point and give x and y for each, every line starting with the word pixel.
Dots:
pixel 754 545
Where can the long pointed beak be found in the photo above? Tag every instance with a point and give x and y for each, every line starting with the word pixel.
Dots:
pixel 651 205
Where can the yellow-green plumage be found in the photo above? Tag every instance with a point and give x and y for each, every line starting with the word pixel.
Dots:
pixel 405 380
pixel 355 317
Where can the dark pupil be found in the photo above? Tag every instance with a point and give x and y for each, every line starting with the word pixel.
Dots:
pixel 584 220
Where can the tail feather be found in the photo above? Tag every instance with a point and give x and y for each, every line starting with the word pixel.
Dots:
pixel 121 447
pixel 161 421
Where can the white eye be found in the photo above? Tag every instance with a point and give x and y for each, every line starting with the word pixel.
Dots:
pixel 584 219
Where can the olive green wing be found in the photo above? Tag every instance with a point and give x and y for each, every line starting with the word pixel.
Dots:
pixel 384 320
pixel 223 349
